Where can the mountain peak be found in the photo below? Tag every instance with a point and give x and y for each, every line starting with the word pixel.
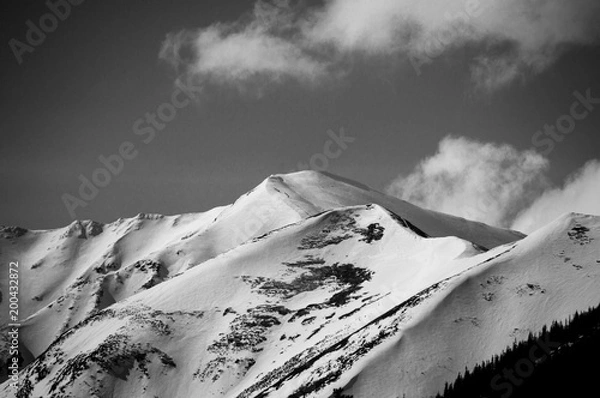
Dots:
pixel 289 291
pixel 310 192
pixel 314 177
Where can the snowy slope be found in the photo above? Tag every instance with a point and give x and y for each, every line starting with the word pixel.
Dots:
pixel 85 267
pixel 297 288
pixel 265 287
pixel 64 269
pixel 518 289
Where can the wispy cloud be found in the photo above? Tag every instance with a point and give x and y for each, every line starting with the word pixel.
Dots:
pixel 283 40
pixel 497 184
pixel 266 47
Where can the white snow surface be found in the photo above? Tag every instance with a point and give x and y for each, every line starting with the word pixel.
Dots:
pixel 305 284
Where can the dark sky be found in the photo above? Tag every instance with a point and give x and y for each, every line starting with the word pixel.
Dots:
pixel 79 93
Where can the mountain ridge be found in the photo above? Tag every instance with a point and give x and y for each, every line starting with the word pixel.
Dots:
pixel 315 291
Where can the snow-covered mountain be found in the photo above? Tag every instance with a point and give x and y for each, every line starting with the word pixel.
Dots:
pixel 306 284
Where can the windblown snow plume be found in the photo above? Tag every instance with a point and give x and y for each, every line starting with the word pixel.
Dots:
pixel 580 193
pixel 498 185
pixel 479 181
pixel 286 40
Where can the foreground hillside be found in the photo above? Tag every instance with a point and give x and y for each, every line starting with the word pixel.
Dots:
pixel 558 361
pixel 330 286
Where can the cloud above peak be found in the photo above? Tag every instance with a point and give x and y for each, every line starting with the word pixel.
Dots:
pixel 285 40
pixel 484 182
pixel 497 184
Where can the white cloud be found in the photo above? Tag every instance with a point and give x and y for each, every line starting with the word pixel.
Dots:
pixel 239 56
pixel 498 185
pixel 580 193
pixel 282 41
pixel 236 53
pixel 479 181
